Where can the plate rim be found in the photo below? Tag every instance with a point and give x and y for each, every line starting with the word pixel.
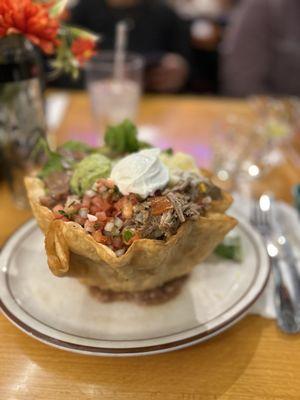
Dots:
pixel 170 345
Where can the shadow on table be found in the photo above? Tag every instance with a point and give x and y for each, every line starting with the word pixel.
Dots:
pixel 208 368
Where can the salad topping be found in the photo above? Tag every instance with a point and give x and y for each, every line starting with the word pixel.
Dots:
pixel 141 173
pixel 120 199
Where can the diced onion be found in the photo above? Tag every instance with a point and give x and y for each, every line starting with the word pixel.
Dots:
pixel 92 218
pixel 109 226
pixel 88 227
pixel 120 252
pixel 83 212
pixel 90 193
pixel 118 222
pixel 71 200
pixel 115 231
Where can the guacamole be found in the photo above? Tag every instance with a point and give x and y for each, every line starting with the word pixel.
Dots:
pixel 88 171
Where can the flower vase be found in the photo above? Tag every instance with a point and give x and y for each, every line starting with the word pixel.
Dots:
pixel 22 119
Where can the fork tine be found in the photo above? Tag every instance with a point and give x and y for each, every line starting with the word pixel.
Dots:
pixel 263 217
pixel 253 214
pixel 260 219
pixel 258 215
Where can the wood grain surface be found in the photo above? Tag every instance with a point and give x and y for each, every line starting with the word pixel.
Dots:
pixel 253 360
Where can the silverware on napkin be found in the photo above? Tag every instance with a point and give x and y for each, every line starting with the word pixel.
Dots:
pixel 283 263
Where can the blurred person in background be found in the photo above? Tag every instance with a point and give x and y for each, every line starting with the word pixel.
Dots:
pixel 155 31
pixel 206 20
pixel 261 49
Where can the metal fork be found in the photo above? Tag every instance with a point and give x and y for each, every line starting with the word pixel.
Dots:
pixel 287 287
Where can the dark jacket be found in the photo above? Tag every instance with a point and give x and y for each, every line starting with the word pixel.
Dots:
pixel 155 28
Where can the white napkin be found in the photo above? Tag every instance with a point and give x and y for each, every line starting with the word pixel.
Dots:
pixel 290 220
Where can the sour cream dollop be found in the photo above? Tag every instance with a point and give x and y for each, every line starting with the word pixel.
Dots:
pixel 141 173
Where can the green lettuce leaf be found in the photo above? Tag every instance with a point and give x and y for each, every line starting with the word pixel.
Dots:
pixel 54 160
pixel 122 138
pixel 230 248
pixel 74 145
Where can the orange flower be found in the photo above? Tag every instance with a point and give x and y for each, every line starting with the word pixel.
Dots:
pixel 83 49
pixel 31 20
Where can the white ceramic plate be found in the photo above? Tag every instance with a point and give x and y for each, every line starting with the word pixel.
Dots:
pixel 61 313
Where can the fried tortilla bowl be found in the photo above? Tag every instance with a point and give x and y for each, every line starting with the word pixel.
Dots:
pixel 147 264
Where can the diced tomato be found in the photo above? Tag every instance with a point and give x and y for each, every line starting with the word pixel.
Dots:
pixel 101 216
pixel 99 237
pixel 101 203
pixel 89 226
pixel 56 209
pixel 160 204
pixel 110 184
pixel 124 205
pixel 110 213
pixel 93 210
pixel 86 201
pixel 117 242
pixel 120 203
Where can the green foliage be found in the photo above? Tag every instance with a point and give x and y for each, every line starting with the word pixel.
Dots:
pixel 122 138
pixel 168 151
pixel 230 248
pixel 58 8
pixel 54 160
pixel 74 145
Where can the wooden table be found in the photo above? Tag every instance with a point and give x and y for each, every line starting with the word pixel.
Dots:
pixel 253 360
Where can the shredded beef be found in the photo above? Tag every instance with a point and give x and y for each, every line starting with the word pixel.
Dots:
pixel 57 183
pixel 147 297
pixel 178 200
pixel 48 201
pixel 188 199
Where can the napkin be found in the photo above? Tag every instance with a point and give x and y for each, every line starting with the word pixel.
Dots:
pixel 289 219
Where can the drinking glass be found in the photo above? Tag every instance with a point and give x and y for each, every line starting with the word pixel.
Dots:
pixel 247 147
pixel 112 99
pixel 237 149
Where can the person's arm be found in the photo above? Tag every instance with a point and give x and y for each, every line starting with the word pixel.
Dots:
pixel 246 50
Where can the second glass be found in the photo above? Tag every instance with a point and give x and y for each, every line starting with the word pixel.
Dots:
pixel 114 100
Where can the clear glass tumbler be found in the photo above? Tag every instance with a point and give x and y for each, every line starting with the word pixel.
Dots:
pixel 114 100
